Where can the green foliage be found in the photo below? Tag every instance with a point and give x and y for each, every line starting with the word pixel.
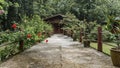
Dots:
pixel 80 14
pixel 71 21
pixel 96 9
pixel 106 35
pixel 91 10
pixel 3 4
pixel 29 26
pixel 8 51
pixel 113 25
pixel 50 7
pixel 72 25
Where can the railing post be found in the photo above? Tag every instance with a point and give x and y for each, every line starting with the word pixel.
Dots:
pixel 64 32
pixel 81 34
pixel 71 35
pixel 80 37
pixel 21 43
pixel 100 38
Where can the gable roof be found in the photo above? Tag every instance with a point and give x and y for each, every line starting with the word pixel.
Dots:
pixel 58 16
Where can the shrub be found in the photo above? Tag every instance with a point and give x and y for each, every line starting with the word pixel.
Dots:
pixel 27 31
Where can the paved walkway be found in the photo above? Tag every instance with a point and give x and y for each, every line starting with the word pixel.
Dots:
pixel 59 52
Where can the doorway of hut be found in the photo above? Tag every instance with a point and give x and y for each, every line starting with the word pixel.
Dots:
pixel 57 28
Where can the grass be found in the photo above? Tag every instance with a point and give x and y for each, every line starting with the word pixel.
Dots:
pixel 106 47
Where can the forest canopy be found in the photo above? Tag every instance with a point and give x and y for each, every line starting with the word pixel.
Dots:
pixel 91 10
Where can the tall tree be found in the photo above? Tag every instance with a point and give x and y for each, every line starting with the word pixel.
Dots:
pixel 95 9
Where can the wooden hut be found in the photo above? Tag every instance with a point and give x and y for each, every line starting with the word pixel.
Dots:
pixel 56 22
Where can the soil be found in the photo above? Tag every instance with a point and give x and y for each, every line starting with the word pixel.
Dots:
pixel 59 52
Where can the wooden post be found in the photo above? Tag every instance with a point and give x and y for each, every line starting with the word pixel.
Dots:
pixel 80 36
pixel 64 32
pixel 100 39
pixel 71 33
pixel 21 43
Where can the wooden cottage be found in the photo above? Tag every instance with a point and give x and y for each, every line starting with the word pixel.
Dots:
pixel 56 22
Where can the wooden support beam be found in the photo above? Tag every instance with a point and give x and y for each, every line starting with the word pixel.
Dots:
pixel 100 39
pixel 80 37
pixel 21 44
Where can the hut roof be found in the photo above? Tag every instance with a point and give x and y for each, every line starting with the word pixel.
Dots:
pixel 58 16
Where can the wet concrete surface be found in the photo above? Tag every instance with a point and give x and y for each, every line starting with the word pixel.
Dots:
pixel 59 52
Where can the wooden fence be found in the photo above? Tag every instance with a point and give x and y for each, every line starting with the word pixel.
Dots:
pixel 99 38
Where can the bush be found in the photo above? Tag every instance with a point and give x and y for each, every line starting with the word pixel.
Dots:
pixel 30 31
pixel 106 35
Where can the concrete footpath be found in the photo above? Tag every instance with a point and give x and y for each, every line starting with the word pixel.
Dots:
pixel 59 52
